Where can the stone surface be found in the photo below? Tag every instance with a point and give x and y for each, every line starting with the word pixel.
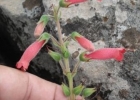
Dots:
pixel 19 25
pixel 110 23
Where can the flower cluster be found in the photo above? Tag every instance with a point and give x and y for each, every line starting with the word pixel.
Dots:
pixel 90 54
pixel 62 54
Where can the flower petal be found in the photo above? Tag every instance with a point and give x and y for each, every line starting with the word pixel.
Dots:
pixel 39 29
pixel 29 54
pixel 41 25
pixel 85 43
pixel 22 65
pixel 66 3
pixel 75 1
pixel 107 53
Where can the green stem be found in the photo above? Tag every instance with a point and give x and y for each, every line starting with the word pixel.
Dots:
pixel 66 61
pixel 62 66
pixel 57 11
pixel 55 41
pixel 68 38
pixel 70 80
pixel 75 68
pixel 59 32
pixel 58 26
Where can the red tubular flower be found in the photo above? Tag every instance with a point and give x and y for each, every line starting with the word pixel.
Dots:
pixel 41 25
pixel 99 0
pixel 105 53
pixel 39 29
pixel 66 3
pixel 32 51
pixel 75 1
pixel 85 43
pixel 29 54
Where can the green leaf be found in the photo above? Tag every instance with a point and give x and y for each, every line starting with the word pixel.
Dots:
pixel 88 91
pixel 77 90
pixel 55 55
pixel 65 89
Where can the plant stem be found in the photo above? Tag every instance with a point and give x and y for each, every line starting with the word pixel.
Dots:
pixel 62 66
pixel 70 80
pixel 55 41
pixel 66 60
pixel 59 32
pixel 56 16
pixel 58 27
pixel 75 68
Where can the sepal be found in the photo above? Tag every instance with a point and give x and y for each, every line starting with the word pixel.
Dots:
pixel 44 19
pixel 55 55
pixel 83 58
pixel 65 89
pixel 77 90
pixel 88 91
pixel 45 36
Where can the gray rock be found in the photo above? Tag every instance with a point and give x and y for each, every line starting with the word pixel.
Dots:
pixel 108 23
pixel 20 26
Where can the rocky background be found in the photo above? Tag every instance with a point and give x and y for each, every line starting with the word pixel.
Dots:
pixel 110 23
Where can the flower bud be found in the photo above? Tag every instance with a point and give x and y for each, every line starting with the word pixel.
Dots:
pixel 83 58
pixel 65 89
pixel 77 90
pixel 88 91
pixel 65 52
pixel 55 55
pixel 66 3
pixel 41 25
pixel 85 43
pixel 63 3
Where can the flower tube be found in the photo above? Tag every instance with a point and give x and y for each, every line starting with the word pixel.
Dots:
pixel 85 43
pixel 103 54
pixel 32 51
pixel 67 3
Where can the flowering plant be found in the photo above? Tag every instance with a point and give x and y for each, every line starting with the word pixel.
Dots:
pixel 62 55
